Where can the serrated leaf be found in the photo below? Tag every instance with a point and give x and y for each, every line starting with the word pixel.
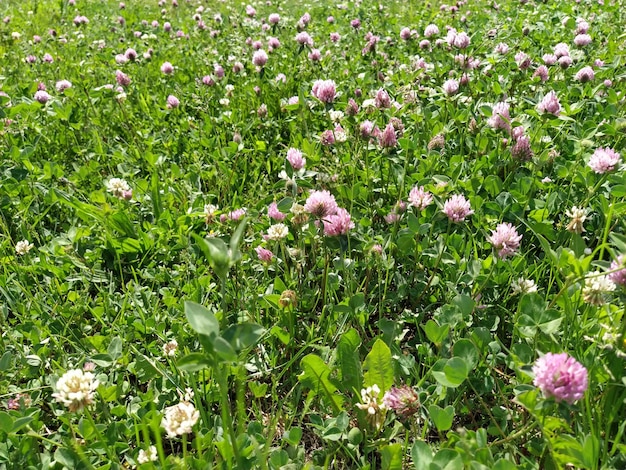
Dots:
pixel 378 365
pixel 315 376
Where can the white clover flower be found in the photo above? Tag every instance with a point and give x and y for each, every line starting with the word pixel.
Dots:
pixel 22 247
pixel 523 286
pixel 118 187
pixel 170 348
pixel 75 389
pixel 596 287
pixel 335 116
pixel 578 216
pixel 277 232
pixel 179 419
pixel 372 402
pixel 149 456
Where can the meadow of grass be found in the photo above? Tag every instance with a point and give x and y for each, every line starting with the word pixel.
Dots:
pixel 293 234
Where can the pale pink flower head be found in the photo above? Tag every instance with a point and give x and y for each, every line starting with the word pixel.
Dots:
pixel 304 39
pixel 250 11
pixel 42 96
pixel 462 40
pixel 542 73
pixel 522 60
pixel 259 58
pixel 295 159
pixel 585 74
pixel 130 54
pixel 502 48
pixel 327 137
pixel 208 80
pixel 431 30
pixel 582 40
pixel 366 128
pixel 47 58
pixel 63 85
pixel 337 224
pixel 324 90
pixel 273 43
pixel 561 49
pixel 604 160
pixel 521 149
pixel 450 87
pixel 419 198
pixel 500 117
pixel 582 27
pixel 121 78
pixel 355 23
pixel 321 204
pixel 334 37
pixel 382 99
pixel 264 254
pixel 167 68
pixel 565 61
pixel 274 18
pixel 274 213
pixel 315 55
pixel 387 138
pixel 457 208
pixel 404 401
pixel 549 59
pixel 305 19
pixel 405 34
pixel 172 102
pixel 550 104
pixel 505 240
pixel 561 377
pixel 619 267
pixel 256 45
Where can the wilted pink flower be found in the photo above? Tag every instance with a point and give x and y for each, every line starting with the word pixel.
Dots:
pixel 172 102
pixel 542 73
pixel 505 239
pixel 334 37
pixel 404 401
pixel 582 40
pixel 30 59
pixel 275 214
pixel 352 109
pixel 560 376
pixel 167 68
pixel 47 58
pixel 457 208
pixel 387 138
pixel 131 54
pixel 324 90
pixel 295 159
pixel 419 198
pixel 356 23
pixel 259 58
pixel 321 204
pixel 500 117
pixel 208 80
pixel 550 104
pixel 337 224
pixel 63 85
pixel 264 254
pixel 382 99
pixel 218 70
pixel 619 267
pixel 585 74
pixel 304 39
pixel 121 78
pixel 450 87
pixel 42 96
pixel 604 160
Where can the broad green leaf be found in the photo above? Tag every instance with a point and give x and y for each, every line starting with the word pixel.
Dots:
pixel 243 335
pixel 293 435
pixel 216 253
pixel 115 348
pixel 379 367
pixel 5 361
pixel 465 303
pixel 201 320
pixel 448 459
pixel 441 417
pixel 235 241
pixel 315 376
pixel 349 363
pixel 434 332
pixel 21 422
pixel 6 422
pixel 451 372
pixel 466 350
pixel 224 349
pixel 391 456
pixel 194 362
pixel 422 455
